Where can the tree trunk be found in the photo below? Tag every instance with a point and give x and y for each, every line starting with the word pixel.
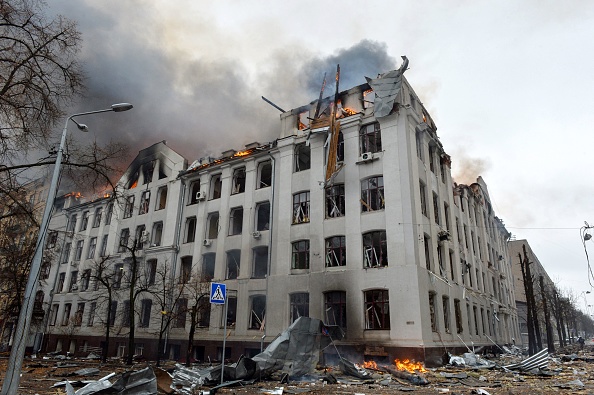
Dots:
pixel 190 349
pixel 529 321
pixel 550 342
pixel 107 329
pixel 131 310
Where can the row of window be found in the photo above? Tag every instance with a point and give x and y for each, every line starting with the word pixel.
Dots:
pixel 145 202
pixel 86 216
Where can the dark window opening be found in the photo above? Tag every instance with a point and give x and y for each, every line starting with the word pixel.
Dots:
pixel 335 308
pixel 375 249
pixel 371 138
pixel 299 304
pixel 301 207
pixel 335 203
pixel 302 157
pixel 336 251
pixel 265 176
pixel 257 312
pixel 300 255
pixel 233 261
pixel 260 266
pixel 372 194
pixel 377 309
pixel 236 221
pixel 208 266
pixel 263 216
pixel 215 187
pixel 238 181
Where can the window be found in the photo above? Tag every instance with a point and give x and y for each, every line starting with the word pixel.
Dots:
pixel 335 251
pixel 436 208
pixel 80 310
pixel 215 187
pixel 66 314
pixel 212 230
pixel 66 254
pixel 377 309
pixel 145 200
pixel 79 250
pixel 194 192
pixel 335 308
pixel 145 312
pixel 372 194
pixel 238 185
pixel 204 313
pixel 91 318
pixel 375 249
pixel 126 314
pixel 452 271
pixel 428 260
pixel 61 280
pixel 446 214
pixel 129 206
pixel 124 238
pixel 446 313
pixel 113 308
pixel 262 216
pixel 157 234
pixel 335 205
pixel 458 314
pixel 299 305
pixel 260 266
pixel 476 323
pixel 340 148
pixel 97 219
pixel 264 175
pixel 73 282
pixel 236 221
pixel 300 256
pixel 233 260
pixel 103 250
pixel 368 98
pixel 38 302
pixel 371 138
pixel 161 198
pixel 301 207
pixel 72 223
pixel 433 311
pixel 186 270
pixel 231 311
pixel 302 157
pixel 419 144
pixel 84 221
pixel 54 314
pixel 423 195
pixel 85 280
pixel 181 307
pixel 190 229
pixel 151 271
pixel 109 214
pixel 140 236
pixel 208 266
pixel 46 267
pixel 147 172
pixel 92 247
pixel 52 239
pixel 257 311
pixel 432 166
pixel 118 274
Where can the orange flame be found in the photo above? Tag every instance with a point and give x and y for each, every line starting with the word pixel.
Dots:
pixel 76 195
pixel 370 365
pixel 241 153
pixel 349 111
pixel 409 366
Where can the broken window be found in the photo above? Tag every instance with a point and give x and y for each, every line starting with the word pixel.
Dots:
pixel 377 309
pixel 458 314
pixel 433 311
pixel 147 172
pixel 213 226
pixel 299 305
pixel 370 138
pixel 476 323
pixel 181 307
pixel 112 313
pixel 72 223
pixel 185 270
pixel 375 249
pixel 452 271
pixel 145 312
pixel 336 251
pixel 215 187
pixel 428 260
pixel 161 198
pixel 60 284
pixel 54 314
pixel 340 148
pixel 442 170
pixel 79 250
pixel 466 236
pixel 440 261
pixel 257 312
pixel 446 313
pixel 368 98
pixel 301 207
pixel 262 216
pixel 436 208
pixel 66 314
pixel 302 157
pixel 335 203
pixel 260 266
pixel 300 255
pixel 126 314
pixel 91 318
pixel 140 236
pixel 236 221
pixel 109 214
pixel 419 144
pixel 195 195
pixel 92 247
pixel 303 120
pixel 73 282
pixel 151 271
pixel 233 260
pixel 38 303
pixel 432 158
pixel 372 194
pixel 52 239
pixel 208 266
pixel 118 275
pixel 66 253
pixel 157 234
pixel 264 175
pixel 97 219
pixel 446 214
pixel 84 221
pixel 145 199
pixel 238 181
pixel 190 229
pixel 483 320
pixel 103 250
pixel 231 312
pixel 46 267
pixel 129 206
pixel 204 313
pixel 423 196
pixel 335 308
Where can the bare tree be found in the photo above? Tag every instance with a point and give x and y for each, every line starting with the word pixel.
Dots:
pixel 198 291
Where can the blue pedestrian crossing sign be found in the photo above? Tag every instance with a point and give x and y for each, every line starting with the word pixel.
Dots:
pixel 218 293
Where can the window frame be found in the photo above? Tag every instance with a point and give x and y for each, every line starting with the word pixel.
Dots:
pixel 370 138
pixel 372 196
pixel 335 251
pixel 379 240
pixel 300 255
pixel 377 310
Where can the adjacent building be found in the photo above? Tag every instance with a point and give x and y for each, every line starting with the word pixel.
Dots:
pixel 350 216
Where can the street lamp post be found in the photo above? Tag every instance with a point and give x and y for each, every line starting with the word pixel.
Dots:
pixel 17 353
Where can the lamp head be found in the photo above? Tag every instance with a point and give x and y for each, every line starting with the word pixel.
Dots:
pixel 119 107
pixel 587 237
pixel 81 126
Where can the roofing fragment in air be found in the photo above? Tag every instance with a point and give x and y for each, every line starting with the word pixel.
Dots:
pixel 387 88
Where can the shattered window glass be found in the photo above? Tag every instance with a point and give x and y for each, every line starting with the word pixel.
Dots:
pixel 433 311
pixel 375 249
pixel 265 175
pixel 238 181
pixel 236 221
pixel 257 312
pixel 302 157
pixel 336 308
pixel 368 98
pixel 262 216
pixel 372 194
pixel 335 251
pixel 260 264
pixel 377 309
pixel 446 313
pixel 301 207
pixel 233 261
pixel 300 255
pixel 371 138
pixel 335 203
pixel 299 305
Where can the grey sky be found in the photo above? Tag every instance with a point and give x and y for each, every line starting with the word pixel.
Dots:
pixel 508 83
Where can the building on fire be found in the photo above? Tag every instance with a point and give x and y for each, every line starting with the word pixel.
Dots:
pixel 350 216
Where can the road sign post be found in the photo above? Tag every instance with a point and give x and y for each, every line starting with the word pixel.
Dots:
pixel 218 295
